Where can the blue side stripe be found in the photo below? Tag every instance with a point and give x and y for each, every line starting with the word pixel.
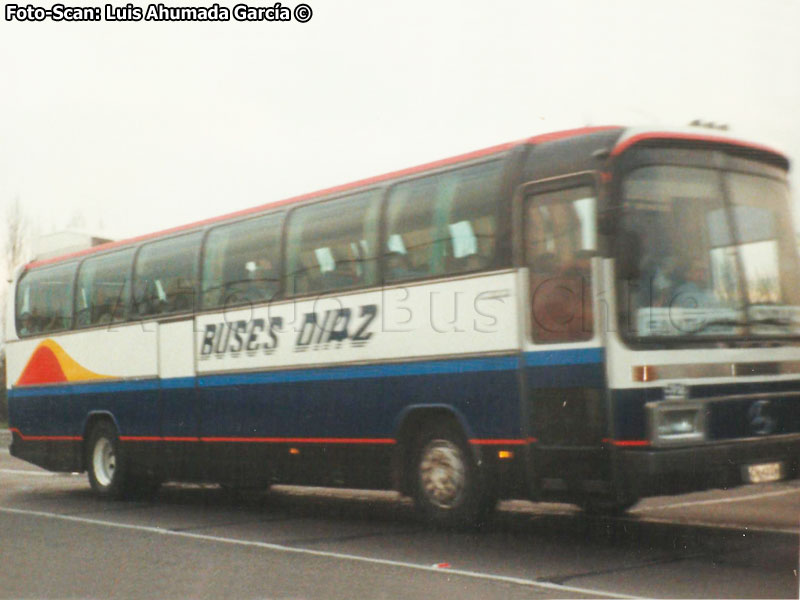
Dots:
pixel 580 356
pixel 176 383
pixel 505 363
pixel 85 388
pixel 469 365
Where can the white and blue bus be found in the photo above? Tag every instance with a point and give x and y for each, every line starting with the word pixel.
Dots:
pixel 589 316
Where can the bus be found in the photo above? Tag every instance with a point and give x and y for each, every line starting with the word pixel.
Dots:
pixel 589 316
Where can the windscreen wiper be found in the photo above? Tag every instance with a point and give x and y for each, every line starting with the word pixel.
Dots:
pixel 737 323
pixel 718 322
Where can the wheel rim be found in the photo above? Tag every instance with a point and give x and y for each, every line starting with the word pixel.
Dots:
pixel 104 461
pixel 442 473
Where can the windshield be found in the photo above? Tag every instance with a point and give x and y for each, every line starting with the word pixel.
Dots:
pixel 708 253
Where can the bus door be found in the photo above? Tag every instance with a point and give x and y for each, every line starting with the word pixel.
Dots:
pixel 179 418
pixel 563 375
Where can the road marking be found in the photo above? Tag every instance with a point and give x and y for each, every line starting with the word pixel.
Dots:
pixel 743 529
pixel 25 472
pixel 325 554
pixel 717 501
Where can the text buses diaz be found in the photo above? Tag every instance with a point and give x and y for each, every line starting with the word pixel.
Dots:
pixel 589 316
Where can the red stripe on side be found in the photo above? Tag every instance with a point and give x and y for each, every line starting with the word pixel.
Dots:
pixel 155 438
pixel 289 440
pixel 625 144
pixel 43 438
pixel 261 440
pixel 509 442
pixel 626 442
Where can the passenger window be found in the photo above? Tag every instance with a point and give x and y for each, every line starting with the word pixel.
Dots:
pixel 241 262
pixel 165 275
pixel 443 224
pixel 560 239
pixel 44 300
pixel 333 245
pixel 103 288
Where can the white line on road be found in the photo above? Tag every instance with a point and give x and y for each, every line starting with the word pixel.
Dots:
pixel 717 501
pixel 322 553
pixel 743 529
pixel 26 472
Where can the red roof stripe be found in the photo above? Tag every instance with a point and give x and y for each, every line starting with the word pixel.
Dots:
pixel 538 139
pixel 635 139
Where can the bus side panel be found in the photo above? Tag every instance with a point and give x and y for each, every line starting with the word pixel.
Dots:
pixel 181 454
pixel 337 425
pixel 60 383
pixel 312 390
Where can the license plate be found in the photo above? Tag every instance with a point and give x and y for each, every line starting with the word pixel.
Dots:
pixel 763 473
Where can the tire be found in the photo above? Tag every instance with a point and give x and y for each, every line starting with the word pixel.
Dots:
pixel 447 484
pixel 105 462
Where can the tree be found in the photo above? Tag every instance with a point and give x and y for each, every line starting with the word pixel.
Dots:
pixel 16 252
pixel 3 397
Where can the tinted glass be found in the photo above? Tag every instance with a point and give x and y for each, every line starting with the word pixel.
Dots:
pixel 103 289
pixel 713 255
pixel 241 262
pixel 560 238
pixel 44 300
pixel 332 245
pixel 443 224
pixel 165 276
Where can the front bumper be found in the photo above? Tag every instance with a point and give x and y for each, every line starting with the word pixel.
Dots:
pixel 655 472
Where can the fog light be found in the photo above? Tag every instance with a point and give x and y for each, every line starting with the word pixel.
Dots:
pixel 676 422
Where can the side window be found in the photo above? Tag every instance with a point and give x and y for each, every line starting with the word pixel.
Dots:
pixel 164 276
pixel 333 245
pixel 560 239
pixel 101 296
pixel 44 300
pixel 241 262
pixel 443 224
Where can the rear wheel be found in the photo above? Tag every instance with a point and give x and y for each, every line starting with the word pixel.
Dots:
pixel 108 467
pixel 448 489
pixel 105 462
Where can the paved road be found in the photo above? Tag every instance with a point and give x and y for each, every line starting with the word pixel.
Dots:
pixel 57 540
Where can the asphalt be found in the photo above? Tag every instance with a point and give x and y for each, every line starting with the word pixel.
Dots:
pixel 197 541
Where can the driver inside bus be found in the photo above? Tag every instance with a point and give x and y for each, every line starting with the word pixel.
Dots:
pixel 692 289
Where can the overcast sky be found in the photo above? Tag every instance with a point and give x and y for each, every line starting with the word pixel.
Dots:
pixel 141 126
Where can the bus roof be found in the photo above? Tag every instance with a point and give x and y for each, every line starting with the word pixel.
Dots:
pixel 626 138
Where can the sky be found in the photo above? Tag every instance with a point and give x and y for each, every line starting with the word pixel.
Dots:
pixel 127 128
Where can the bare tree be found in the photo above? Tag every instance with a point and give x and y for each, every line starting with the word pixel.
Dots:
pixel 16 252
pixel 16 249
pixel 16 236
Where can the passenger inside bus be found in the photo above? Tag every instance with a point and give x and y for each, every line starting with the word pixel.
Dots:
pixel 559 273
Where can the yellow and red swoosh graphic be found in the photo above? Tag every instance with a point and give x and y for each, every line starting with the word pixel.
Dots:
pixel 49 363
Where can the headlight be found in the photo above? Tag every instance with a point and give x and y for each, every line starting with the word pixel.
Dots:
pixel 676 422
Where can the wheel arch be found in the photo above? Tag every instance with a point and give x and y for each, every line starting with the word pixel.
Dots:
pixel 92 418
pixel 408 424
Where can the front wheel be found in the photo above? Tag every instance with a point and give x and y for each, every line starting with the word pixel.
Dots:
pixel 105 462
pixel 448 489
